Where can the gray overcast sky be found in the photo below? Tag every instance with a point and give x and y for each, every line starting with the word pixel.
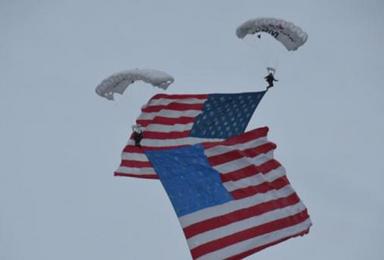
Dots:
pixel 60 142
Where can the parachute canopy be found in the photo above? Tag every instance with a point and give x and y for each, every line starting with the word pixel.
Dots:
pixel 290 35
pixel 118 82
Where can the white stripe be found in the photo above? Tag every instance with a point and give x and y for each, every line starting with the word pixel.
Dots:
pixel 245 224
pixel 261 158
pixel 166 101
pixel 159 128
pixel 174 142
pixel 241 163
pixel 233 165
pixel 254 180
pixel 234 205
pixel 130 170
pixel 134 157
pixel 169 114
pixel 258 241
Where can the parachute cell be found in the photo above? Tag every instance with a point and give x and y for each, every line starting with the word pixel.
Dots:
pixel 290 35
pixel 117 83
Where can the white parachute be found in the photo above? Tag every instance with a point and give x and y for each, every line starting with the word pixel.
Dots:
pixel 290 35
pixel 118 82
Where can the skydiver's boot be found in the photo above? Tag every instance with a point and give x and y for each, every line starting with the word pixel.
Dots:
pixel 137 143
pixel 137 137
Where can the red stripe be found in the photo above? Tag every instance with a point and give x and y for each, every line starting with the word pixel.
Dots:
pixel 254 134
pixel 249 233
pixel 240 174
pixel 136 164
pixel 237 154
pixel 225 157
pixel 166 120
pixel 243 138
pixel 135 149
pixel 250 171
pixel 256 249
pixel 264 148
pixel 180 96
pixel 173 106
pixel 261 188
pixel 239 215
pixel 143 122
pixel 142 176
pixel 268 166
pixel 164 135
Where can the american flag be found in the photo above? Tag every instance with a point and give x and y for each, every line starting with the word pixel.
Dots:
pixel 171 121
pixel 232 198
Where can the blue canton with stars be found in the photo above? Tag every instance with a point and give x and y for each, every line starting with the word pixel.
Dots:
pixel 225 115
pixel 188 178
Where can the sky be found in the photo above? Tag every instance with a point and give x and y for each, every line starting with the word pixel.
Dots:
pixel 60 142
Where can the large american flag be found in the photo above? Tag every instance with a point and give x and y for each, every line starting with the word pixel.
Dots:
pixel 232 198
pixel 171 121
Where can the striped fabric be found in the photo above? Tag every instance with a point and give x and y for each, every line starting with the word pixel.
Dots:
pixel 171 121
pixel 232 198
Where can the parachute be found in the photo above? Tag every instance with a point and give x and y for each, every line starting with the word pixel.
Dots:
pixel 117 83
pixel 290 35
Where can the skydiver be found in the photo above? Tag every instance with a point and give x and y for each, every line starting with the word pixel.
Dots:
pixel 137 134
pixel 270 79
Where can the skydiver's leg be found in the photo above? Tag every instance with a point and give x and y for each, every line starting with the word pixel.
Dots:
pixel 138 139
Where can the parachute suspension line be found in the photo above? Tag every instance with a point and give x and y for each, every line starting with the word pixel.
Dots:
pixel 257 52
pixel 283 32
